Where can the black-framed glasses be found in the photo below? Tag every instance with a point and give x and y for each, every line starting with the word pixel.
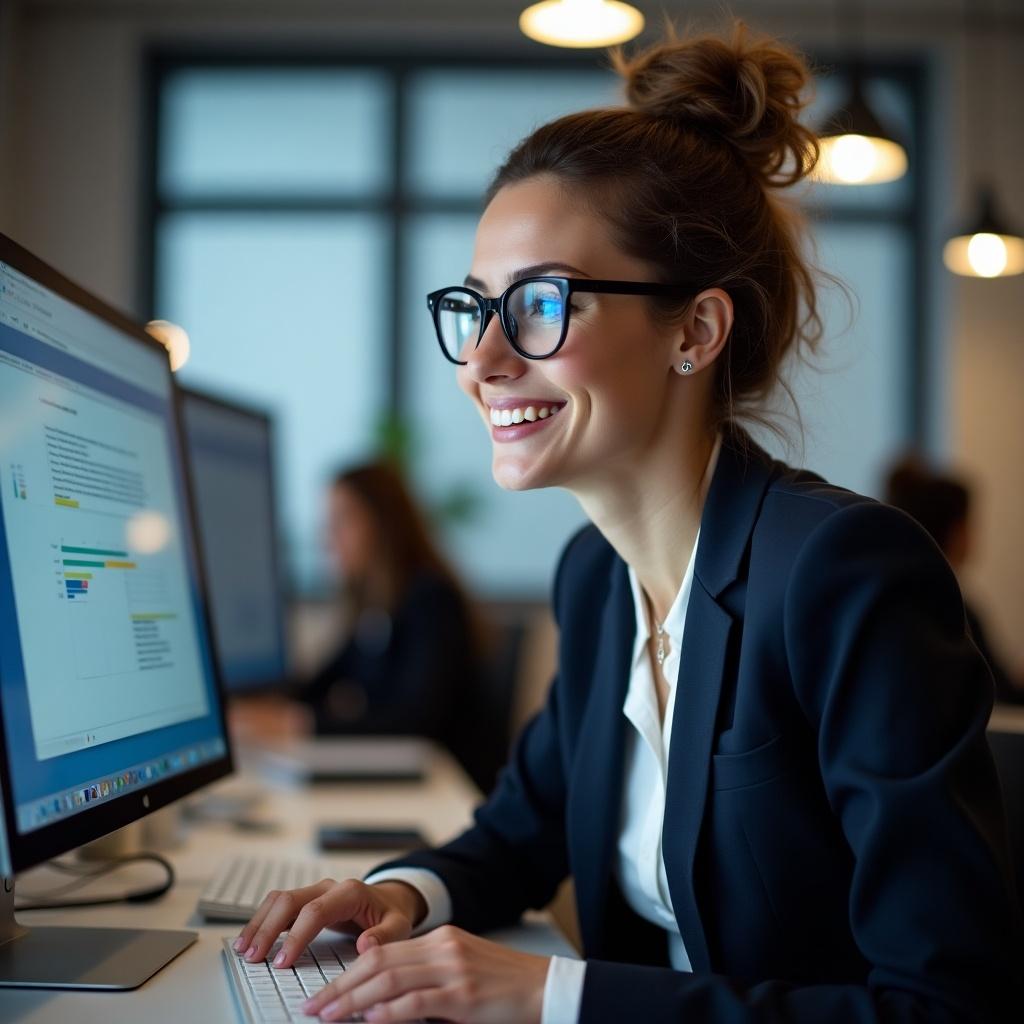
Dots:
pixel 534 312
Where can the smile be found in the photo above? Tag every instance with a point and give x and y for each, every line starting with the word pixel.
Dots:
pixel 527 414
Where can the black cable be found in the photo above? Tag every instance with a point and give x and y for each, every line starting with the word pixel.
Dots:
pixel 86 874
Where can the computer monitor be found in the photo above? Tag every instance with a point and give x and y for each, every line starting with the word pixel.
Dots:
pixel 110 696
pixel 231 458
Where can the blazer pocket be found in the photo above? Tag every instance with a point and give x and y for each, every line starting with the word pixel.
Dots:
pixel 751 767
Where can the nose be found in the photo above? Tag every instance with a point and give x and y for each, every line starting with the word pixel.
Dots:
pixel 494 358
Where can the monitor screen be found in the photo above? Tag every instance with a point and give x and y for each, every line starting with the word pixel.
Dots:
pixel 109 693
pixel 229 449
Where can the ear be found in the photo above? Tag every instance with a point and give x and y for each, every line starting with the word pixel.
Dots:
pixel 705 331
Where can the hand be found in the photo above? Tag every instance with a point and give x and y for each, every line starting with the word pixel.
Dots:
pixel 446 973
pixel 378 913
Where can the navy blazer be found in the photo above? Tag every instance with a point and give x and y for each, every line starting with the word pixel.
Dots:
pixel 834 838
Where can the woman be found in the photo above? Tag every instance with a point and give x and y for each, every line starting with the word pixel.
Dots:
pixel 826 841
pixel 409 659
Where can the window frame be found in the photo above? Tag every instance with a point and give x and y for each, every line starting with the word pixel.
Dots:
pixel 398 204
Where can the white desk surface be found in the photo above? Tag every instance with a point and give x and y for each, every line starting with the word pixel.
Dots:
pixel 194 987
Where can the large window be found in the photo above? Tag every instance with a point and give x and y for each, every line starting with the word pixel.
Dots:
pixel 302 211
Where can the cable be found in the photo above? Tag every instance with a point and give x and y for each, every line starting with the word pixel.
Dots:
pixel 87 874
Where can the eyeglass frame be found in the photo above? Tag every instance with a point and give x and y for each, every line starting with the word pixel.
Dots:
pixel 567 286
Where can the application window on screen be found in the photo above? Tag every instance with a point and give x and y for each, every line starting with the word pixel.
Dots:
pixel 106 622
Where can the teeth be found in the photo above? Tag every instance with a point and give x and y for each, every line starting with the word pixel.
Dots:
pixel 532 413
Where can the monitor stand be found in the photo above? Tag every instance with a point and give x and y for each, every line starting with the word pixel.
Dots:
pixel 100 958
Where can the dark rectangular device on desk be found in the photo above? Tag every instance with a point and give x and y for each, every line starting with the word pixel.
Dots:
pixel 230 448
pixel 110 696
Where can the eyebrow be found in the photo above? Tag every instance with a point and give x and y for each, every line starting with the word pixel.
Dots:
pixel 535 270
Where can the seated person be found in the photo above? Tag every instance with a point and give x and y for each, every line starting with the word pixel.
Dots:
pixel 941 504
pixel 409 658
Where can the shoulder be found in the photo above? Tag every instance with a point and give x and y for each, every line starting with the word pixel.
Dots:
pixel 804 518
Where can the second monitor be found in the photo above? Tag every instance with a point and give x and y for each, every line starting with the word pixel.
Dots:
pixel 230 449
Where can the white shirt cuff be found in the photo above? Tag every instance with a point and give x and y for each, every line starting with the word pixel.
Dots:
pixel 429 886
pixel 563 991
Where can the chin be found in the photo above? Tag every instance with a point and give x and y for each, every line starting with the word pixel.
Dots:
pixel 518 475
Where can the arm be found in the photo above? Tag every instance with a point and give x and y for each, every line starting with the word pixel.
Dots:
pixel 899 697
pixel 515 854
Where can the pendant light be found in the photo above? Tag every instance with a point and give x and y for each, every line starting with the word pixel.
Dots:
pixel 174 339
pixel 987 246
pixel 581 23
pixel 856 148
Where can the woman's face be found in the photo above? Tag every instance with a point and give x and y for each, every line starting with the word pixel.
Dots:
pixel 608 385
pixel 351 533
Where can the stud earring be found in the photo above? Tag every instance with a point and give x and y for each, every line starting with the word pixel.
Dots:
pixel 686 367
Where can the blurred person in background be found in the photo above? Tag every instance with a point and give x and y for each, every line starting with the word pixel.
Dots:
pixel 409 661
pixel 941 504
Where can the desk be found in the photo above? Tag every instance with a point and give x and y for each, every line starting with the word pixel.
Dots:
pixel 193 989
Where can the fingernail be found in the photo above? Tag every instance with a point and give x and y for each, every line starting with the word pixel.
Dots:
pixel 250 952
pixel 372 941
pixel 309 1004
pixel 279 959
pixel 331 1007
pixel 373 1013
pixel 238 945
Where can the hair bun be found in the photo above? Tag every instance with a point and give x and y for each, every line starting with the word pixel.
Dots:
pixel 747 90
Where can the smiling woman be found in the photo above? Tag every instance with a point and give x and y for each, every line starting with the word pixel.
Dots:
pixel 763 758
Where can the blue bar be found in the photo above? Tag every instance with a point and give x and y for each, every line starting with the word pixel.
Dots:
pixel 76 585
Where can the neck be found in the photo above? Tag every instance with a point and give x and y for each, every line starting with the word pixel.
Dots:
pixel 650 513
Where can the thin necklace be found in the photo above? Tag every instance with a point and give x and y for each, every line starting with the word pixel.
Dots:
pixel 660 630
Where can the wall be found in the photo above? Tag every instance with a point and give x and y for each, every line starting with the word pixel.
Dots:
pixel 70 175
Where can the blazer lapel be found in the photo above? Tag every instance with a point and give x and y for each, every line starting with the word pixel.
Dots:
pixel 595 791
pixel 730 510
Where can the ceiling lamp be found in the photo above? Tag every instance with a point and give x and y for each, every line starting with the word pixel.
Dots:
pixel 174 339
pixel 855 147
pixel 987 247
pixel 581 23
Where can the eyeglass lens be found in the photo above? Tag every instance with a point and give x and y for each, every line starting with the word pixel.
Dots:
pixel 535 311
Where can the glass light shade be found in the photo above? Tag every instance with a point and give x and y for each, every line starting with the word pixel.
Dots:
pixel 856 149
pixel 174 339
pixel 581 23
pixel 984 255
pixel 987 247
pixel 860 160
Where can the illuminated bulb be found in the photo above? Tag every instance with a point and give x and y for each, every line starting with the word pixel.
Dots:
pixel 860 160
pixel 984 255
pixel 581 23
pixel 174 339
pixel 987 247
pixel 147 532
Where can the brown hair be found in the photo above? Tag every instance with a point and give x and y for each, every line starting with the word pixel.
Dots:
pixel 406 546
pixel 688 176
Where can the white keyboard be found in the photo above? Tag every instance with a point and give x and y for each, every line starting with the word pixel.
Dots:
pixel 270 994
pixel 238 887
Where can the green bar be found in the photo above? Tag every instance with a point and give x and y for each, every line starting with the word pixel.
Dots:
pixel 78 575
pixel 93 551
pixel 84 565
pixel 152 616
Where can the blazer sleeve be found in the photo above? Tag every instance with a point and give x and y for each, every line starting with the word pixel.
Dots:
pixel 514 856
pixel 899 696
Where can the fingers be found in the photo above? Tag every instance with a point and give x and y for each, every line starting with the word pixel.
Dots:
pixel 385 986
pixel 276 913
pixel 385 972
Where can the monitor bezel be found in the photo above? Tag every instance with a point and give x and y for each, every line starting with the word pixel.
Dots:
pixel 26 850
pixel 185 394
